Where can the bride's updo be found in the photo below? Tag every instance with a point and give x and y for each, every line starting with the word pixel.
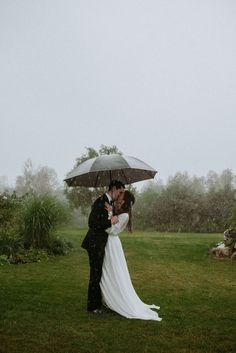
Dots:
pixel 126 207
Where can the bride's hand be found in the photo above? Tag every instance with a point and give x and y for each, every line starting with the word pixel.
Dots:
pixel 108 207
pixel 114 220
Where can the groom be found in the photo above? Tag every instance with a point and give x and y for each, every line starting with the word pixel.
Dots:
pixel 95 242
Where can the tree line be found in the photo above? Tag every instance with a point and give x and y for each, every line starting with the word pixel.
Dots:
pixel 183 204
pixel 189 204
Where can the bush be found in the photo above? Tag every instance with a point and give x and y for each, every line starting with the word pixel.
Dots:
pixel 9 205
pixel 189 204
pixel 4 260
pixel 40 216
pixel 59 246
pixel 10 244
pixel 29 255
pixel 27 228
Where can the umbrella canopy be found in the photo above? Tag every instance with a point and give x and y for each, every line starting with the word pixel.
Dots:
pixel 99 171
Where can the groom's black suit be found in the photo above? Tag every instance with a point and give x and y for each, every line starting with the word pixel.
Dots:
pixel 95 242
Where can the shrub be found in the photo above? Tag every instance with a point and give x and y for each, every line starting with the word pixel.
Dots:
pixel 4 260
pixel 10 244
pixel 40 215
pixel 59 246
pixel 9 205
pixel 29 255
pixel 27 228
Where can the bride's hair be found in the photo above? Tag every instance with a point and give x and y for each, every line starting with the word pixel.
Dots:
pixel 126 207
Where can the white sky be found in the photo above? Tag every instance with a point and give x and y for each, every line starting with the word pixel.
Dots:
pixel 157 78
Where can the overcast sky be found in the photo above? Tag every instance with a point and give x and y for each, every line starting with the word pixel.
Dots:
pixel 156 78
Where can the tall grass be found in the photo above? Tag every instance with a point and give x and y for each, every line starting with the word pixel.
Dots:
pixel 40 214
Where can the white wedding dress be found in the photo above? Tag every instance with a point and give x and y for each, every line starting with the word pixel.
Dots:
pixel 116 286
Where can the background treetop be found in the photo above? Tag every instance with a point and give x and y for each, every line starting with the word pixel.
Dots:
pixel 92 153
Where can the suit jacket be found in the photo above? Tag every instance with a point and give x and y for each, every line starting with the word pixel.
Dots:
pixel 96 237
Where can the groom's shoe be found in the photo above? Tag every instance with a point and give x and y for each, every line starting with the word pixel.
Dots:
pixel 98 311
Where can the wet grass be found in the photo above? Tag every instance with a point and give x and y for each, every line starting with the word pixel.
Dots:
pixel 42 305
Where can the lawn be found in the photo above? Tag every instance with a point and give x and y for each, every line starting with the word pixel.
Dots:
pixel 43 305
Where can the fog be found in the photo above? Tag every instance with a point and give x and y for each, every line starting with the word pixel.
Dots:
pixel 155 78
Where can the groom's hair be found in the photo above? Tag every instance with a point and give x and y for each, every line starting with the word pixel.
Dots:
pixel 117 183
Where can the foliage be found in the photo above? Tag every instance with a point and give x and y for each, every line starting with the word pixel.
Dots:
pixel 232 218
pixel 60 246
pixel 92 153
pixel 40 215
pixel 41 180
pixel 189 204
pixel 9 204
pixel 3 183
pixel 10 244
pixel 27 228
pixel 4 260
pixel 29 255
pixel 10 241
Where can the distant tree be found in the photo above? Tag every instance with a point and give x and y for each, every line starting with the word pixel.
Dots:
pixel 109 150
pixel 92 153
pixel 145 208
pixel 42 180
pixel 190 203
pixel 3 183
pixel 225 181
pixel 212 181
pixel 220 200
pixel 175 206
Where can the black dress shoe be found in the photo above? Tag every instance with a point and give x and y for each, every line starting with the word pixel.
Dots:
pixel 97 311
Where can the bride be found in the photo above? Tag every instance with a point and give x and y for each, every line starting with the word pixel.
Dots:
pixel 116 286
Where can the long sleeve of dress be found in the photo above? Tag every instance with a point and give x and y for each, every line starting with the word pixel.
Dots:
pixel 117 228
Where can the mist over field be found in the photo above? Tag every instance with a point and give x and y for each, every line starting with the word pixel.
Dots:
pixel 156 78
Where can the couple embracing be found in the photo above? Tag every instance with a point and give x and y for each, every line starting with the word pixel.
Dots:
pixel 110 284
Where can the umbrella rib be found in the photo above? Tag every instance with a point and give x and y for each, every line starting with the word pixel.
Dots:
pixel 127 182
pixel 95 185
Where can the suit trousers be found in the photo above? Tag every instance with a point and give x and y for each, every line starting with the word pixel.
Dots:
pixel 94 290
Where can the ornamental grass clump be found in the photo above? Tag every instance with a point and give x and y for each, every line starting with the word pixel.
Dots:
pixel 40 216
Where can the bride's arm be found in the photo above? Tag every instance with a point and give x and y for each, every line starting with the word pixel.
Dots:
pixel 120 225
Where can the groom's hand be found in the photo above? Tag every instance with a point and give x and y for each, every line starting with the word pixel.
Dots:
pixel 108 207
pixel 114 220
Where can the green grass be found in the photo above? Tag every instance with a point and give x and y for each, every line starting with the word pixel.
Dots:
pixel 43 305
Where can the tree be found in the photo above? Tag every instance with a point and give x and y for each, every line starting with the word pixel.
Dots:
pixel 190 203
pixel 145 208
pixel 220 200
pixel 92 153
pixel 42 180
pixel 3 183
